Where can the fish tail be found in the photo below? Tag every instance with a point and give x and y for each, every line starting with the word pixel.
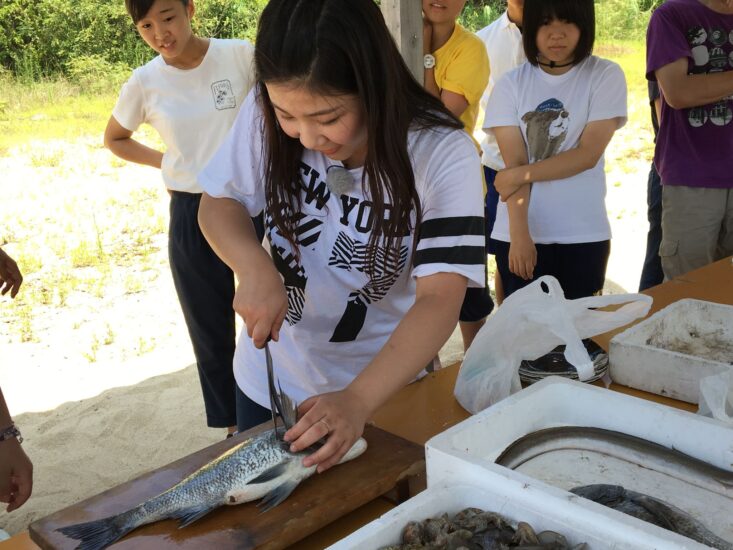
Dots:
pixel 97 534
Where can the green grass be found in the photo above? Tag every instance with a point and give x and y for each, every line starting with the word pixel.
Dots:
pixel 79 228
pixel 631 56
pixel 50 110
pixel 56 109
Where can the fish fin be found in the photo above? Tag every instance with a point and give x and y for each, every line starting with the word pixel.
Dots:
pixel 268 475
pixel 288 409
pixel 663 513
pixel 188 515
pixel 97 534
pixel 608 495
pixel 277 495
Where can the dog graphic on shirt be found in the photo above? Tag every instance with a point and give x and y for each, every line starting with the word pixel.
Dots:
pixel 547 127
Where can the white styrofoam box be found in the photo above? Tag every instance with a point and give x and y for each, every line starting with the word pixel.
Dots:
pixel 671 351
pixel 515 501
pixel 554 402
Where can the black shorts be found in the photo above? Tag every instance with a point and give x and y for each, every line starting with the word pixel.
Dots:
pixel 580 267
pixel 490 206
pixel 477 303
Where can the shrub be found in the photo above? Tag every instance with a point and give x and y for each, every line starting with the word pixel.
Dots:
pixel 479 13
pixel 623 19
pixel 80 37
pixel 615 19
pixel 48 37
pixel 228 18
pixel 94 73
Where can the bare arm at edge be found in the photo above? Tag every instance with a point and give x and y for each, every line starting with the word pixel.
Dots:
pixel 118 139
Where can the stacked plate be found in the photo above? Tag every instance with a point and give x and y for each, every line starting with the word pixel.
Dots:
pixel 555 364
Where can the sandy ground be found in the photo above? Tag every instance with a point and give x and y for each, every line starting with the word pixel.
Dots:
pixel 92 425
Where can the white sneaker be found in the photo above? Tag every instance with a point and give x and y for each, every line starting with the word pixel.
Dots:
pixel 4 535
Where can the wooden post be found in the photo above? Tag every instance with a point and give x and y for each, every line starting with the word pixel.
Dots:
pixel 404 19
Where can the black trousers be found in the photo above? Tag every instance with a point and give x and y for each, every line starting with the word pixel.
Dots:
pixel 580 268
pixel 205 288
pixel 249 413
pixel 651 273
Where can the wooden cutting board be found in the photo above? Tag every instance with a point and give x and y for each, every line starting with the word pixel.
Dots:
pixel 389 465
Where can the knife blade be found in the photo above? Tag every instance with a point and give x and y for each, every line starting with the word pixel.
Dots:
pixel 275 403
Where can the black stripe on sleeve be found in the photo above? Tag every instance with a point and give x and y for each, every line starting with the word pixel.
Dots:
pixel 459 255
pixel 452 227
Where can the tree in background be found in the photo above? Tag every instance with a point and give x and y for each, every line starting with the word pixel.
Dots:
pixel 90 39
pixel 615 19
pixel 49 37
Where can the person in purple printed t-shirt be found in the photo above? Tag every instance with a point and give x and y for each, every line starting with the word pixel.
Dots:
pixel 690 54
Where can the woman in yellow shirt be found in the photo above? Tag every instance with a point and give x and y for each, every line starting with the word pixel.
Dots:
pixel 457 72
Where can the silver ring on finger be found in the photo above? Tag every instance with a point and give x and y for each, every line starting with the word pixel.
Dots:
pixel 328 428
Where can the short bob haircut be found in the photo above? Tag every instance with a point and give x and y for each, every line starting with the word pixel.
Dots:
pixel 541 12
pixel 138 9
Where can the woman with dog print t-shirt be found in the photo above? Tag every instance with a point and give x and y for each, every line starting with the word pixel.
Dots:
pixel 553 118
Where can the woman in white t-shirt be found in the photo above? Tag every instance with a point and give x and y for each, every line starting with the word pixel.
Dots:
pixel 190 93
pixel 373 211
pixel 553 118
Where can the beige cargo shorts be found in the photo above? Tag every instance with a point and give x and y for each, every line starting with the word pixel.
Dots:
pixel 697 227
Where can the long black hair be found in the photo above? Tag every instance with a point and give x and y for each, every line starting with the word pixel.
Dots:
pixel 335 47
pixel 539 12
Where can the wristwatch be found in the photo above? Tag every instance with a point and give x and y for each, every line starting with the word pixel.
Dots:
pixel 9 432
pixel 428 61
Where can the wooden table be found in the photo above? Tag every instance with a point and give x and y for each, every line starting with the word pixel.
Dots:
pixel 426 408
pixel 390 466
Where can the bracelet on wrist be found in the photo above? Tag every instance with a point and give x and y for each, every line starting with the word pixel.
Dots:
pixel 10 432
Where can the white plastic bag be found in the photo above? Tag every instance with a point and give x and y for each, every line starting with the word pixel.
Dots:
pixel 716 397
pixel 530 323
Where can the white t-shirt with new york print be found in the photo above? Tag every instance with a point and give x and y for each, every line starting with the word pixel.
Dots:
pixel 338 319
pixel 552 111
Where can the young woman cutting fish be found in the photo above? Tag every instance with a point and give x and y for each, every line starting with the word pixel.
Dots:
pixel 372 198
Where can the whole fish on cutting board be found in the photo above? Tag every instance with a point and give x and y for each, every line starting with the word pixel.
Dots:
pixel 261 467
